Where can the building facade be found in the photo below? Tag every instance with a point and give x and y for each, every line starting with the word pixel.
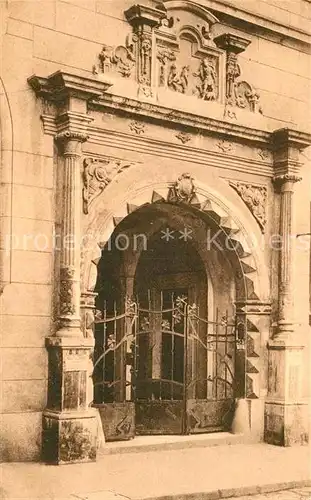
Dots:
pixel 155 222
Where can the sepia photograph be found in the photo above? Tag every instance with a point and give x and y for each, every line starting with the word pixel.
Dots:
pixel 155 249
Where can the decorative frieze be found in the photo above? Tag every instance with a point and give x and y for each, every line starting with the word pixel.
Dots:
pixel 156 56
pixel 97 174
pixel 255 198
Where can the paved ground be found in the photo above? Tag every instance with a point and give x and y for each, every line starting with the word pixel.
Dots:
pixel 190 474
pixel 294 494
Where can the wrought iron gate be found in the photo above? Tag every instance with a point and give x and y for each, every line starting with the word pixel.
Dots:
pixel 165 371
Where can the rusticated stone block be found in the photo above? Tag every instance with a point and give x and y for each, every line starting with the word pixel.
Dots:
pixel 69 440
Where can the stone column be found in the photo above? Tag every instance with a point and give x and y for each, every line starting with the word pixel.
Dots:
pixel 69 425
pixel 69 300
pixel 285 411
pixel 286 184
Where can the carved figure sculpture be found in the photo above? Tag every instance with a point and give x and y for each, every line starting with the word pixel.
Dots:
pixel 208 76
pixel 178 82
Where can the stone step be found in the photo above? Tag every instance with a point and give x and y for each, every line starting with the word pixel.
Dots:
pixel 160 443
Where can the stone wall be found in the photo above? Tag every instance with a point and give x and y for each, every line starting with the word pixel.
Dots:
pixel 69 35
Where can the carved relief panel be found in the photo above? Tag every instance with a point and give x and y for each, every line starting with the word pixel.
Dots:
pixel 174 48
pixel 192 69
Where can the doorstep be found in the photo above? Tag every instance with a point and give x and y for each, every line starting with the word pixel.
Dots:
pixel 161 443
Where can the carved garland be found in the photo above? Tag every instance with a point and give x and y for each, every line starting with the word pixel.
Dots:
pixel 255 198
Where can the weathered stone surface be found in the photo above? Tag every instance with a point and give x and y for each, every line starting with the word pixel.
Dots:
pixel 69 441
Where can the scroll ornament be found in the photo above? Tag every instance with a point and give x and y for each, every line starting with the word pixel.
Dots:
pixel 255 198
pixel 97 174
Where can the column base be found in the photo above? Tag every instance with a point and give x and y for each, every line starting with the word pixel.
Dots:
pixel 69 437
pixel 286 424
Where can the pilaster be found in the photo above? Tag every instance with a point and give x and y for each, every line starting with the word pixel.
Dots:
pixel 69 424
pixel 285 411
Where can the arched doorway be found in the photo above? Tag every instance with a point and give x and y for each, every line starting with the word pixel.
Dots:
pixel 165 328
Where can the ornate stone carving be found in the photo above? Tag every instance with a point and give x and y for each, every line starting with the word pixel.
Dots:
pixel 137 127
pixel 68 135
pixel 144 50
pixel 97 174
pixel 143 20
pixel 66 305
pixel 178 81
pixel 184 188
pixel 263 153
pixel 120 59
pixel 225 146
pixel 238 92
pixel 281 179
pixel 230 113
pixel 255 198
pixel 183 137
pixel 164 55
pixel 207 88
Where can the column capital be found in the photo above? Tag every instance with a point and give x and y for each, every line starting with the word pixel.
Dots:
pixel 232 43
pixel 62 87
pixel 287 144
pixel 69 135
pixel 285 182
pixel 139 15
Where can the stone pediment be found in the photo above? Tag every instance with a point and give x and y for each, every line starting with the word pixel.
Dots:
pixel 174 55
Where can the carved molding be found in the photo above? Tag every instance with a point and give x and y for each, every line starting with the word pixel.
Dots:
pixel 255 198
pixel 97 174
